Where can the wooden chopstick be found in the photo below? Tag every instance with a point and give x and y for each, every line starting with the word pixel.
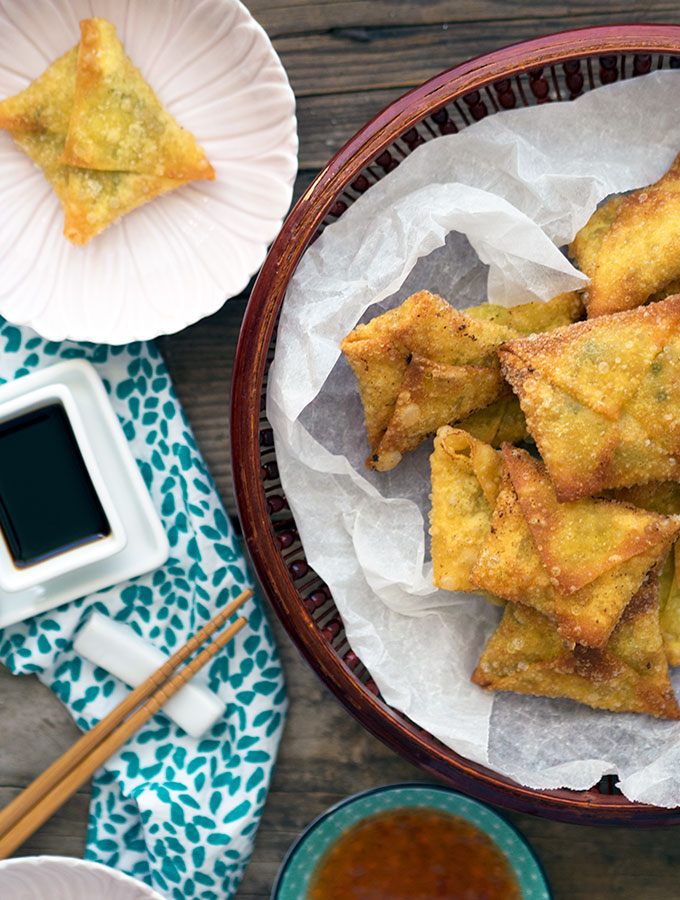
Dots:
pixel 79 758
pixel 78 775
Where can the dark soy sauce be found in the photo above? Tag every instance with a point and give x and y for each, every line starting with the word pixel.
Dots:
pixel 48 503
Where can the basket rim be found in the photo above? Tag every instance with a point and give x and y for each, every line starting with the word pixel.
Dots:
pixel 257 328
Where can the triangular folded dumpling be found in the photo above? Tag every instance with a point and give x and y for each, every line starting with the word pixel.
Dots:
pixel 600 399
pixel 38 119
pixel 630 674
pixel 425 364
pixel 466 476
pixel 117 122
pixel 630 247
pixel 419 366
pixel 578 563
pixel 598 363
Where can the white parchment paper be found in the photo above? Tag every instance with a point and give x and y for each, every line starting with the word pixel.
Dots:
pixel 478 214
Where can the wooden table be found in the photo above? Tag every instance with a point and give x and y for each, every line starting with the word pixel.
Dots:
pixel 346 60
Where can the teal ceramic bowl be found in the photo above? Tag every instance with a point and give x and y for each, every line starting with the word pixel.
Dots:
pixel 302 858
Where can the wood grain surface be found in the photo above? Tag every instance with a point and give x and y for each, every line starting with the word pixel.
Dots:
pixel 346 60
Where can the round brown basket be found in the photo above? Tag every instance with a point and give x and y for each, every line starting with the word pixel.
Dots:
pixel 555 68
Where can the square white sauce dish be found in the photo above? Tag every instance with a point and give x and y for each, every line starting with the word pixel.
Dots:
pixel 75 513
pixel 56 513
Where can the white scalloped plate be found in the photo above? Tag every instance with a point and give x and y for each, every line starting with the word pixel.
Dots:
pixel 67 878
pixel 177 259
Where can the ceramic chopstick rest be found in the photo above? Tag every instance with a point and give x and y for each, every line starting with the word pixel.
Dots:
pixel 115 647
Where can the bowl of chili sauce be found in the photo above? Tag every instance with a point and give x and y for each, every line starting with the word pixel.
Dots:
pixel 402 841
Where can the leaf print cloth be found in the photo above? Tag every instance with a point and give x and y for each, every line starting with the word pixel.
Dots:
pixel 176 812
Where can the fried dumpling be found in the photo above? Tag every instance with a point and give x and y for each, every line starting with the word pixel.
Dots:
pixel 117 122
pixel 631 246
pixel 630 674
pixel 600 398
pixel 425 364
pixel 38 119
pixel 419 366
pixel 579 563
pixel 466 476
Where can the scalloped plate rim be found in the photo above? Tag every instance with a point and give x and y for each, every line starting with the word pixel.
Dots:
pixel 99 870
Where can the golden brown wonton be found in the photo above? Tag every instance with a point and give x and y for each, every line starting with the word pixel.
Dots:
pixel 600 398
pixel 425 364
pixel 579 563
pixel 630 248
pixel 466 476
pixel 419 366
pixel 39 120
pixel 527 655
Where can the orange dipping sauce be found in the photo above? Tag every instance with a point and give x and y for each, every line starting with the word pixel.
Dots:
pixel 413 854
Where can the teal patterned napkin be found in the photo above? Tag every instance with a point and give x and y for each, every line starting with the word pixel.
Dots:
pixel 176 812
